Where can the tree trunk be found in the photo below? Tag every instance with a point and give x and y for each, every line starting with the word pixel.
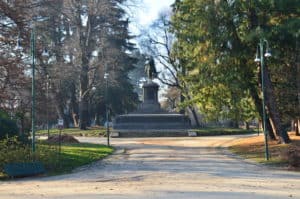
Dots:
pixel 84 33
pixel 247 126
pixel 258 105
pixel 83 113
pixel 75 119
pixel 60 111
pixel 271 123
pixel 297 127
pixel 74 106
pixel 271 130
pixel 84 102
pixel 195 116
pixel 272 109
pixel 182 98
pixel 293 123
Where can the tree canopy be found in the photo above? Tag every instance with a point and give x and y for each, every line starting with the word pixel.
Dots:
pixel 217 41
pixel 83 41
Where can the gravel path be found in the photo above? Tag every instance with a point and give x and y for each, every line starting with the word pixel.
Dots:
pixel 174 168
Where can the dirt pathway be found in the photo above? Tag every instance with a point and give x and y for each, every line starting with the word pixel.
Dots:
pixel 162 168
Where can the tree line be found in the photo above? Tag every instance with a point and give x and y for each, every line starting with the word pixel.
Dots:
pixel 77 43
pixel 207 50
pixel 216 43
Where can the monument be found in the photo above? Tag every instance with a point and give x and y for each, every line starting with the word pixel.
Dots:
pixel 149 120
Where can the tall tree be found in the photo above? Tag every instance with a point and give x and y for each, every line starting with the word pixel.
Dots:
pixel 100 30
pixel 214 40
pixel 83 40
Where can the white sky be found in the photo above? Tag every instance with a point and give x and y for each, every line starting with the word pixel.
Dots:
pixel 147 12
pixel 151 9
pixel 143 15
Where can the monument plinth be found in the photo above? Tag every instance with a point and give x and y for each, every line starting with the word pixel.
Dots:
pixel 150 99
pixel 149 120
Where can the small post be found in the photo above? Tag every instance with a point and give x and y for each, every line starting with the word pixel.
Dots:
pixel 59 141
pixel 106 107
pixel 47 105
pixel 60 127
pixel 107 128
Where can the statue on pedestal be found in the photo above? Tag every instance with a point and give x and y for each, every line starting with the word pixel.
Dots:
pixel 149 119
pixel 150 69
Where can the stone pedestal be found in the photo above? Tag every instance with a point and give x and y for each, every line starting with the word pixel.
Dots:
pixel 150 99
pixel 149 120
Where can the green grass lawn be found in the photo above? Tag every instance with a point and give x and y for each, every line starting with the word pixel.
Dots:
pixel 71 156
pixel 90 132
pixel 221 131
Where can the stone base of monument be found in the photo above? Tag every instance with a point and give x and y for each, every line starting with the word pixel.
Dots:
pixel 149 120
pixel 152 133
pixel 114 134
pixel 192 134
pixel 151 125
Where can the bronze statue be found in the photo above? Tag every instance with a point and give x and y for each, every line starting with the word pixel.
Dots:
pixel 150 68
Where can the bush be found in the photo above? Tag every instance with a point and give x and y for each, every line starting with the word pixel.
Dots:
pixel 14 151
pixel 54 160
pixel 11 150
pixel 8 127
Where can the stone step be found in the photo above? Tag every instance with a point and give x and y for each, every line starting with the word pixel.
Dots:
pixel 153 133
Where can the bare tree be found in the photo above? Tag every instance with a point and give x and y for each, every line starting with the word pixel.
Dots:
pixel 158 42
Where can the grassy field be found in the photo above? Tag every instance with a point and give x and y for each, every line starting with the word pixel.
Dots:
pixel 90 132
pixel 253 148
pixel 70 157
pixel 222 131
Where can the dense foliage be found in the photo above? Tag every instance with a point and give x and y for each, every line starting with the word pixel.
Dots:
pixel 76 43
pixel 8 127
pixel 216 43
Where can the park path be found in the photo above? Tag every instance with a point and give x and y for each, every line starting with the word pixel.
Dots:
pixel 171 168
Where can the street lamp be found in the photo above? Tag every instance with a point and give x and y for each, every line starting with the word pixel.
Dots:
pixel 32 44
pixel 260 58
pixel 45 55
pixel 106 106
pixel 32 49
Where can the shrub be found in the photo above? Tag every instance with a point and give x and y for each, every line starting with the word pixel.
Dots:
pixel 8 127
pixel 11 150
pixel 14 151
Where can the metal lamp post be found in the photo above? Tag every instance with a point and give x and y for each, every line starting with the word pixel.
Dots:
pixel 106 107
pixel 32 49
pixel 45 55
pixel 260 58
pixel 32 42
